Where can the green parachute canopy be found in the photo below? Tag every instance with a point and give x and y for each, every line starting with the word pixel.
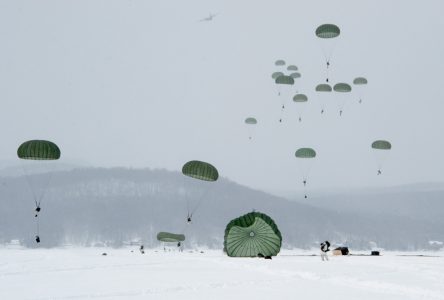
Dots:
pixel 251 121
pixel 200 170
pixel 300 98
pixel 170 237
pixel 360 81
pixel 276 75
pixel 295 75
pixel 381 145
pixel 327 31
pixel 38 150
pixel 292 68
pixel 252 234
pixel 283 79
pixel 323 87
pixel 305 153
pixel 342 87
pixel 280 62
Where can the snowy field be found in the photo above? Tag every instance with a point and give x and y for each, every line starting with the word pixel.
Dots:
pixel 85 274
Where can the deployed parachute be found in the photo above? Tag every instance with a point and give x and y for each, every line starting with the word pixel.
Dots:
pixel 292 68
pixel 323 91
pixel 327 34
pixel 38 150
pixel 279 63
pixel 200 170
pixel 305 158
pixel 168 237
pixel 251 235
pixel 295 75
pixel 381 148
pixel 344 89
pixel 301 100
pixel 276 75
pixel 360 82
pixel 36 154
pixel 284 84
pixel 250 121
pixel 203 172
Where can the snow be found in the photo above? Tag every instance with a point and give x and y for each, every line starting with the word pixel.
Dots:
pixel 83 273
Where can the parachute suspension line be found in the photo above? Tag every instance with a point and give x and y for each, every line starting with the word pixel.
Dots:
pixel 204 195
pixel 28 180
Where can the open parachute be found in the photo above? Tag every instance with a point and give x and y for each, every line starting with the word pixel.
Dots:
pixel 168 237
pixel 200 170
pixel 360 83
pixel 45 153
pixel 250 122
pixel 305 158
pixel 323 90
pixel 327 34
pixel 251 235
pixel 301 101
pixel 343 91
pixel 381 149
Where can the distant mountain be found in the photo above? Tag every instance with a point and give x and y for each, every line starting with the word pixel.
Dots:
pixel 96 206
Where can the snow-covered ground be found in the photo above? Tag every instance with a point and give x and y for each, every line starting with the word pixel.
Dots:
pixel 83 273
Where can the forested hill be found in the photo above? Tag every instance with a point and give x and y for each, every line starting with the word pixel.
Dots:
pixel 96 206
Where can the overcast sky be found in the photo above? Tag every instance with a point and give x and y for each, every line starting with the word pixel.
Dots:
pixel 142 83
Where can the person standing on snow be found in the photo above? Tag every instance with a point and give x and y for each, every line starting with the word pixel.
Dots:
pixel 324 249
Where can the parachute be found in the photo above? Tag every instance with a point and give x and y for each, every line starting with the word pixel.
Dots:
pixel 203 172
pixel 38 150
pixel 168 237
pixel 200 170
pixel 250 121
pixel 324 91
pixel 327 34
pixel 295 75
pixel 301 100
pixel 276 75
pixel 344 89
pixel 292 68
pixel 305 161
pixel 30 153
pixel 284 79
pixel 252 234
pixel 360 82
pixel 284 84
pixel 381 152
pixel 279 63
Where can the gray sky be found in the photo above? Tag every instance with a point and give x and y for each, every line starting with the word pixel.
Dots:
pixel 143 84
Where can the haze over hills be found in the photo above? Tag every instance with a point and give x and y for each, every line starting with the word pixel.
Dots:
pixel 96 206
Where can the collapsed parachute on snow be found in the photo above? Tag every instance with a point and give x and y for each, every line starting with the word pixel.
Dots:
pixel 252 234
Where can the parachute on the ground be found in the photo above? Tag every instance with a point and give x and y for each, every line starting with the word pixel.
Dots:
pixel 200 170
pixel 252 234
pixel 168 237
